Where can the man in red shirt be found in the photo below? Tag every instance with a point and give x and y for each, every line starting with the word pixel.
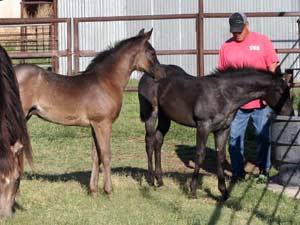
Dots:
pixel 248 49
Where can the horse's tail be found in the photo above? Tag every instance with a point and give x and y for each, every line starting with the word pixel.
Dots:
pixel 11 108
pixel 145 110
pixel 146 94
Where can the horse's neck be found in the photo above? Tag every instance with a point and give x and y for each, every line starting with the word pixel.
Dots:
pixel 120 71
pixel 247 91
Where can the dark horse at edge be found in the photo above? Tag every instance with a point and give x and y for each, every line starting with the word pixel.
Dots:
pixel 208 104
pixel 14 138
pixel 90 99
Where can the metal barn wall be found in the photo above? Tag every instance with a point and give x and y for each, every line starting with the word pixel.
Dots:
pixel 180 34
pixel 167 34
pixel 97 36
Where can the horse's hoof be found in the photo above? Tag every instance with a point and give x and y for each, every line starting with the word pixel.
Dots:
pixel 150 180
pixel 193 195
pixel 225 196
pixel 93 194
pixel 160 183
pixel 93 191
pixel 109 195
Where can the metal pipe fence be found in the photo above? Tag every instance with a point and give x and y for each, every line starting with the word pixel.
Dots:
pixel 30 40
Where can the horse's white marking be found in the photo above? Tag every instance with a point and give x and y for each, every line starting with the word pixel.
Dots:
pixel 7 180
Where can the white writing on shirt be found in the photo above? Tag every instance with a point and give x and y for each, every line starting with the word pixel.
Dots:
pixel 254 48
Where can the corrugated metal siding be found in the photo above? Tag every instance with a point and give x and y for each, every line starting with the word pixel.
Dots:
pixel 168 34
pixel 97 36
pixel 179 34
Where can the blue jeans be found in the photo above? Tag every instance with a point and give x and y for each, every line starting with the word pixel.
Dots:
pixel 261 122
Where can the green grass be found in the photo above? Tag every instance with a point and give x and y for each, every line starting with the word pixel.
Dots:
pixel 54 191
pixel 295 93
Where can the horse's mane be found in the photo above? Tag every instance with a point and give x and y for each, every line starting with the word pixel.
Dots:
pixel 110 53
pixel 13 125
pixel 232 71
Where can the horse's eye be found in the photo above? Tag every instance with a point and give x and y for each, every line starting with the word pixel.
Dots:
pixel 152 53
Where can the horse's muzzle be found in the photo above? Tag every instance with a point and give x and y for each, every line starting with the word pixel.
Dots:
pixel 158 71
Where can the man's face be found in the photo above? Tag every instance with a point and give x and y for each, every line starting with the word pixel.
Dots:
pixel 240 36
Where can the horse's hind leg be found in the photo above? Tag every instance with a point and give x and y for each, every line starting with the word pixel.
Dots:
pixel 103 132
pixel 161 130
pixel 220 143
pixel 150 139
pixel 95 166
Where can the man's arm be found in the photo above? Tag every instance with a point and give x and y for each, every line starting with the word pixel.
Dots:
pixel 272 67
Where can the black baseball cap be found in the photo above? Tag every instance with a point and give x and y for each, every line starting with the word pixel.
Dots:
pixel 237 22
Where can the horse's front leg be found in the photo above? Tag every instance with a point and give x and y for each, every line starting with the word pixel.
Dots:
pixel 201 139
pixel 95 165
pixel 220 143
pixel 103 132
pixel 162 128
pixel 150 139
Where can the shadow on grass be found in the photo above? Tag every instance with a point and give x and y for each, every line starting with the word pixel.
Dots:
pixel 235 203
pixel 83 177
pixel 18 207
pixel 187 155
pixel 268 216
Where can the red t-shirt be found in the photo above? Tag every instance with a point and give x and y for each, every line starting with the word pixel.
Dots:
pixel 255 51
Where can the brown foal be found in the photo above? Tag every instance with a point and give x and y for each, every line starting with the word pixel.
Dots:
pixel 90 99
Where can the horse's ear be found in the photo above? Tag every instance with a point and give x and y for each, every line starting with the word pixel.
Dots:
pixel 278 71
pixel 148 35
pixel 141 32
pixel 288 76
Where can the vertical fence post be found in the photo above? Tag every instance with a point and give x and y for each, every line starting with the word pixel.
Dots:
pixel 298 21
pixel 200 40
pixel 76 45
pixel 69 46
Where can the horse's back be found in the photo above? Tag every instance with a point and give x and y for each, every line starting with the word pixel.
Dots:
pixel 147 83
pixel 28 81
pixel 147 89
pixel 26 71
